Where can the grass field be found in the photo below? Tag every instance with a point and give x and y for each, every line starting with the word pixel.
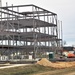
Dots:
pixel 36 70
pixel 25 70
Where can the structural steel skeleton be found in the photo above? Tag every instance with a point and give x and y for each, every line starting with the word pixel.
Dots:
pixel 27 28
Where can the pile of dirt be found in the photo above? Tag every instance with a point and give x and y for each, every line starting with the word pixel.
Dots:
pixel 61 65
pixel 46 62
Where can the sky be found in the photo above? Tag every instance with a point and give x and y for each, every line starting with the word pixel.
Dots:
pixel 65 10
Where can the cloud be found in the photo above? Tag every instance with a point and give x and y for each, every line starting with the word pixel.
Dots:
pixel 65 10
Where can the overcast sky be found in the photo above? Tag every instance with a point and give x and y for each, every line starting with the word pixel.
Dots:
pixel 65 10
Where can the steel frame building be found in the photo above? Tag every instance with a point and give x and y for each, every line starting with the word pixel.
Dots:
pixel 27 28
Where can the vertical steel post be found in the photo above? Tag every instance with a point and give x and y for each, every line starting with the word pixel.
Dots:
pixel 44 27
pixel 7 26
pixel 34 55
pixel 61 35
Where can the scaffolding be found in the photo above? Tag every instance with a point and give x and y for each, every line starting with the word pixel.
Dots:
pixel 28 28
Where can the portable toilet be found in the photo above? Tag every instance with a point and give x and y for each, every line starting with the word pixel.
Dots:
pixel 51 55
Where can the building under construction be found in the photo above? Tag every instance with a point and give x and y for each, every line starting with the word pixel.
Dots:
pixel 28 29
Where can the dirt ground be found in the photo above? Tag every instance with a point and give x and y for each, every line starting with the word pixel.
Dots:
pixel 64 68
pixel 12 65
pixel 73 73
pixel 57 72
pixel 60 65
pixel 42 67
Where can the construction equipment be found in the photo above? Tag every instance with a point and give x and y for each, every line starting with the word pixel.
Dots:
pixel 71 55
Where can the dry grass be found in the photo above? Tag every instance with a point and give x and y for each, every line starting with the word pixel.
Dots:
pixel 36 70
pixel 25 70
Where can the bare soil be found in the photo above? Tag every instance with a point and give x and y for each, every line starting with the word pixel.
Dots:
pixel 60 65
pixel 67 71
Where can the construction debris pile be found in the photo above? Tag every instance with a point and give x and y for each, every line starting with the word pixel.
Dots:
pixel 61 65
